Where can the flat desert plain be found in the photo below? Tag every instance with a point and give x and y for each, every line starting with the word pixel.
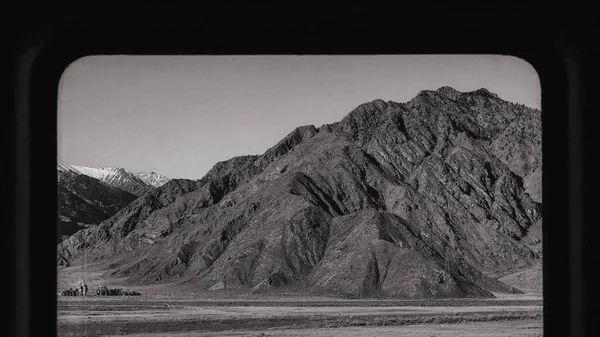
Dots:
pixel 167 310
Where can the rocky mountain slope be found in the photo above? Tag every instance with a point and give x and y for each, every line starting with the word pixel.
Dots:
pixel 528 279
pixel 84 201
pixel 431 198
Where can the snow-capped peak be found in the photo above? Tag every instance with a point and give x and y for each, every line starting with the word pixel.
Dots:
pixel 133 182
pixel 100 172
pixel 152 178
pixel 64 167
pixel 117 177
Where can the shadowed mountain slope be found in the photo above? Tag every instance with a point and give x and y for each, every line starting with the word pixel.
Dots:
pixel 85 201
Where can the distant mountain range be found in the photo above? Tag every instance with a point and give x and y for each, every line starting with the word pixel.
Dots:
pixel 135 183
pixel 152 178
pixel 87 196
pixel 433 198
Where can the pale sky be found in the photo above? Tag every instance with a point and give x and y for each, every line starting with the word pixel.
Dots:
pixel 179 115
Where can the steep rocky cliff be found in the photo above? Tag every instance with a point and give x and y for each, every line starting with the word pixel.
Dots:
pixel 436 197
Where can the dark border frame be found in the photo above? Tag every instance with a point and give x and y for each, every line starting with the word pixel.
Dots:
pixel 44 52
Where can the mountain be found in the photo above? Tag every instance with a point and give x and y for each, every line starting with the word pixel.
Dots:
pixel 528 279
pixel 117 177
pixel 523 157
pixel 62 167
pixel 430 198
pixel 85 201
pixel 152 178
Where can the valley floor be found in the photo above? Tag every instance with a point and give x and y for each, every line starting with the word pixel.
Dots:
pixel 165 311
pixel 96 316
pixel 478 329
